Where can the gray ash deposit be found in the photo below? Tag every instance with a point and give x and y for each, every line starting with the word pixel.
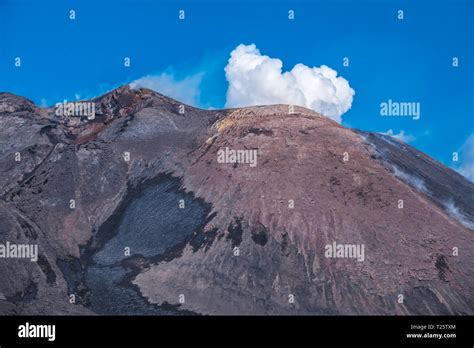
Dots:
pixel 153 223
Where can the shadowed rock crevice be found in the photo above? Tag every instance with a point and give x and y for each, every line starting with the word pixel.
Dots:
pixel 234 232
pixel 260 235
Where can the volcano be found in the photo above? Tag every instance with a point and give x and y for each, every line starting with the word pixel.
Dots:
pixel 132 212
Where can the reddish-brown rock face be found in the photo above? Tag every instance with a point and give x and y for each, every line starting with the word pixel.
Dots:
pixel 242 211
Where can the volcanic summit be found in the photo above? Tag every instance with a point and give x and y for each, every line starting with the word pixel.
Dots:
pixel 133 213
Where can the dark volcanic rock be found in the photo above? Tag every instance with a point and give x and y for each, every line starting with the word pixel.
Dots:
pixel 221 238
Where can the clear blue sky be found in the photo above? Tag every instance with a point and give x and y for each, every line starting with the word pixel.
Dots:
pixel 407 60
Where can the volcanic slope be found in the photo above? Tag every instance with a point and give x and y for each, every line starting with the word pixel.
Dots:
pixel 135 203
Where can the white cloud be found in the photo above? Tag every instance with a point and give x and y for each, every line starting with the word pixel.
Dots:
pixel 466 157
pixel 411 180
pixel 256 79
pixel 406 138
pixel 186 90
pixel 453 210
